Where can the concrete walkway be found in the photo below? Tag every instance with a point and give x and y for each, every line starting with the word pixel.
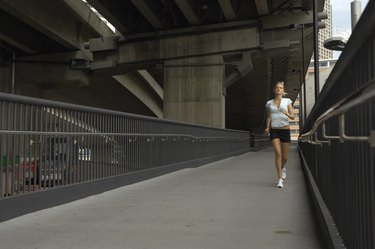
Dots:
pixel 232 203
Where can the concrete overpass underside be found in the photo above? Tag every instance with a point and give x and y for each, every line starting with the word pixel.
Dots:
pixel 211 62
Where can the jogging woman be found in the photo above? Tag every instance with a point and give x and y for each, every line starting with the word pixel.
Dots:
pixel 279 110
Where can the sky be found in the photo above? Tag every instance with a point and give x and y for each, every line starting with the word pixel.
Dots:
pixel 341 19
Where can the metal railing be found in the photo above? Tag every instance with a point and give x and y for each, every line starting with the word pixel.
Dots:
pixel 338 141
pixel 363 95
pixel 47 144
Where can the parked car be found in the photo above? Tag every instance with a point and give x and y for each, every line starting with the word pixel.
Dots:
pixel 51 172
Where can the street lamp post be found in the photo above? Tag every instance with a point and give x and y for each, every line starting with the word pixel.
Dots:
pixel 301 27
pixel 316 49
pixel 303 72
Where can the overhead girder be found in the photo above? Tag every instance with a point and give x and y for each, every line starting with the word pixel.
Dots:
pixel 188 12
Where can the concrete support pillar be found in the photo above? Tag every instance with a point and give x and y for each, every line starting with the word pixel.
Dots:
pixel 193 91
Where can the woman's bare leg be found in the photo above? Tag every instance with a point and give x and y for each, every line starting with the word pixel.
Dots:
pixel 278 156
pixel 284 153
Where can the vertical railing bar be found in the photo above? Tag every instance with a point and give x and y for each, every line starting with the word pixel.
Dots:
pixel 104 153
pixel 79 146
pixel 85 145
pixel 115 147
pixel 24 149
pixel 54 143
pixel 89 128
pixel 92 146
pixel 106 121
pixel 29 127
pixel 4 166
pixel 99 146
pixel 74 170
pixel 61 147
pixel 140 145
pixel 56 158
pixel 109 160
pixel 123 147
pixel 8 188
pixel 82 142
pixel 98 163
pixel 132 146
pixel 71 146
pixel 35 145
pixel 14 168
pixel 102 142
pixel 45 146
pixel 12 146
pixel 65 149
pixel 109 145
pixel 96 141
pixel 86 129
pixel 129 154
pixel 104 156
pixel 95 146
pixel 119 147
pixel 50 142
pixel 20 145
pixel 2 187
pixel 137 144
pixel 42 146
pixel 102 145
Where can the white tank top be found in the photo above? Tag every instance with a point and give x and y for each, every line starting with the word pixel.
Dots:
pixel 278 118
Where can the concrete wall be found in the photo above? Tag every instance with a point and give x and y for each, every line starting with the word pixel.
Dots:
pixel 193 91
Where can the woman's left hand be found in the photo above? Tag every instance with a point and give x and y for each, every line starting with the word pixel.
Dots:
pixel 285 112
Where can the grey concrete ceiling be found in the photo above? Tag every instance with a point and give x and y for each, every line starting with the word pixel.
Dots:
pixel 60 26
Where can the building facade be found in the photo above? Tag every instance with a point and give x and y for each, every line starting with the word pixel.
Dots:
pixel 294 124
pixel 326 33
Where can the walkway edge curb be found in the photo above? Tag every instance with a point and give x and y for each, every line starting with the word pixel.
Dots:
pixel 331 235
pixel 13 207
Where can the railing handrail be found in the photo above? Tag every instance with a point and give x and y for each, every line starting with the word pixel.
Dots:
pixel 55 133
pixel 75 107
pixel 362 95
pixel 362 32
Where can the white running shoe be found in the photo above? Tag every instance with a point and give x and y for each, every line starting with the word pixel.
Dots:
pixel 280 184
pixel 283 173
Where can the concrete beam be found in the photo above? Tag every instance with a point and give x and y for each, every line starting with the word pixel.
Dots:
pixel 108 15
pixel 152 83
pixel 227 9
pixel 86 15
pixel 188 46
pixel 148 13
pixel 262 7
pixel 54 21
pixel 243 69
pixel 141 91
pixel 17 44
pixel 283 21
pixel 187 10
pixel 308 5
pixel 50 71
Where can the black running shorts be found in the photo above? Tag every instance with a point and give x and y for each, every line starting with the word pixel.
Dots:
pixel 282 134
